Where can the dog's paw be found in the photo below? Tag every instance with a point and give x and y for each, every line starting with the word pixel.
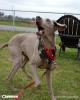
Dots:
pixel 53 98
pixel 37 84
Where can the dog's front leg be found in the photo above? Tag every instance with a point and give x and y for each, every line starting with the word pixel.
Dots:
pixel 35 75
pixel 49 82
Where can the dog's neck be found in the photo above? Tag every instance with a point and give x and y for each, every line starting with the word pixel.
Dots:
pixel 49 44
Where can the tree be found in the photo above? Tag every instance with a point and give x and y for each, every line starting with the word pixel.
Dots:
pixel 1 14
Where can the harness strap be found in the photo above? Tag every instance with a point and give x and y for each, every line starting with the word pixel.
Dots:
pixel 21 92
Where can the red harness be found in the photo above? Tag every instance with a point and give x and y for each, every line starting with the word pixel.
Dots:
pixel 47 54
pixel 50 53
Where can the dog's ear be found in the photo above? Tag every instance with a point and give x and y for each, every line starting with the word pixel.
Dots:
pixel 33 20
pixel 60 27
pixel 36 20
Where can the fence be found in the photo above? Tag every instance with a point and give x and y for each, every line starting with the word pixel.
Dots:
pixel 19 17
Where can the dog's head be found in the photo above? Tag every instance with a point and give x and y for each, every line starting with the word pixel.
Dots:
pixel 49 27
pixel 43 24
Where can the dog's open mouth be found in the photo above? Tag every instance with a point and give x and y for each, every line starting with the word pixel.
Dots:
pixel 39 23
pixel 39 26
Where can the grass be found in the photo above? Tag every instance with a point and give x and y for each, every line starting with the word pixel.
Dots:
pixel 17 23
pixel 66 77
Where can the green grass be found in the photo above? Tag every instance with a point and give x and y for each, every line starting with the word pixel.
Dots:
pixel 66 77
pixel 17 23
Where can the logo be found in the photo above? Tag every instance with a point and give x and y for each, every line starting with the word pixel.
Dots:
pixel 16 97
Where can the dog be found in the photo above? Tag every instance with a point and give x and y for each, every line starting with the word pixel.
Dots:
pixel 27 48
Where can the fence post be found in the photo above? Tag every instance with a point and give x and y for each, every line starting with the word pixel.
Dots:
pixel 13 17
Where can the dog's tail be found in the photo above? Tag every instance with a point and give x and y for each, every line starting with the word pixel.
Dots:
pixel 4 45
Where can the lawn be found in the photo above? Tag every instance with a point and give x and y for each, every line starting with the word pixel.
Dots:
pixel 17 23
pixel 66 77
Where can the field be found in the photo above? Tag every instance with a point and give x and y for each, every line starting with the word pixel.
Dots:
pixel 17 23
pixel 66 77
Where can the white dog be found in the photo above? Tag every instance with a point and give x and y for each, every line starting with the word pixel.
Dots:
pixel 35 50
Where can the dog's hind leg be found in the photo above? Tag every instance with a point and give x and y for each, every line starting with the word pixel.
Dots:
pixel 28 74
pixel 16 65
pixel 16 58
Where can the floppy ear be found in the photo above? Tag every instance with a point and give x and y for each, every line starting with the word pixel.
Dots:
pixel 33 20
pixel 60 27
